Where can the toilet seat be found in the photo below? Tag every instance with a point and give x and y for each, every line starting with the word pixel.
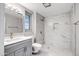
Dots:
pixel 36 47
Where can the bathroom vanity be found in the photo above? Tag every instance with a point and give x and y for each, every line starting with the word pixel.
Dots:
pixel 17 21
pixel 18 47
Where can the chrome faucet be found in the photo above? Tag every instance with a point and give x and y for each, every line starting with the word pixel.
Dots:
pixel 11 35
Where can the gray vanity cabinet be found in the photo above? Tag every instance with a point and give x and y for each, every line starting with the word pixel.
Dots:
pixel 22 48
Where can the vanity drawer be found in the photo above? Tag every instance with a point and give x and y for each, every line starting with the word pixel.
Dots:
pixel 13 48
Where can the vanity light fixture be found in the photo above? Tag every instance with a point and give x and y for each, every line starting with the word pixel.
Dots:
pixel 46 5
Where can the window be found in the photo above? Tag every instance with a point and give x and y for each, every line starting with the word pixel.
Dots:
pixel 27 23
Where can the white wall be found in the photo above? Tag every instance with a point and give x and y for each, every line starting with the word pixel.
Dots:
pixel 60 37
pixel 73 11
pixel 1 29
pixel 34 26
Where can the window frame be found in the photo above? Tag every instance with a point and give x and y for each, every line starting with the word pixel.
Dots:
pixel 30 15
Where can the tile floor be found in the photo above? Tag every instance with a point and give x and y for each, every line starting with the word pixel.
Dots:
pixel 46 51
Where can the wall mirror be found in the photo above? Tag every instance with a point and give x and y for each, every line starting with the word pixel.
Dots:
pixel 13 19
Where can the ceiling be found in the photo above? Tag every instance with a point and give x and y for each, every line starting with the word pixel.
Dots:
pixel 55 9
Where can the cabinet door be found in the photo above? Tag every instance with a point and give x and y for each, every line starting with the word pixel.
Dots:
pixel 20 52
pixel 29 50
pixel 23 48
pixel 11 54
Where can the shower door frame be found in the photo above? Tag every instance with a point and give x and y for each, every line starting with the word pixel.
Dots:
pixel 76 23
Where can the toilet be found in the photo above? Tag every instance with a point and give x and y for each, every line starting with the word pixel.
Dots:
pixel 36 47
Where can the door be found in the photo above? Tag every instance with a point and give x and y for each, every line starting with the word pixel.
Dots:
pixel 40 29
pixel 77 40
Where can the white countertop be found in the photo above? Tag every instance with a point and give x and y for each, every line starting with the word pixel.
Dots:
pixel 8 41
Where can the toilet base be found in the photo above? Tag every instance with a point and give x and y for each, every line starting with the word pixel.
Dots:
pixel 36 53
pixel 36 47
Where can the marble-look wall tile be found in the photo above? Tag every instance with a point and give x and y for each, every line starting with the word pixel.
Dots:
pixel 60 36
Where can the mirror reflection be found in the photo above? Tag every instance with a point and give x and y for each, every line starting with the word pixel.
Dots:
pixel 13 20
